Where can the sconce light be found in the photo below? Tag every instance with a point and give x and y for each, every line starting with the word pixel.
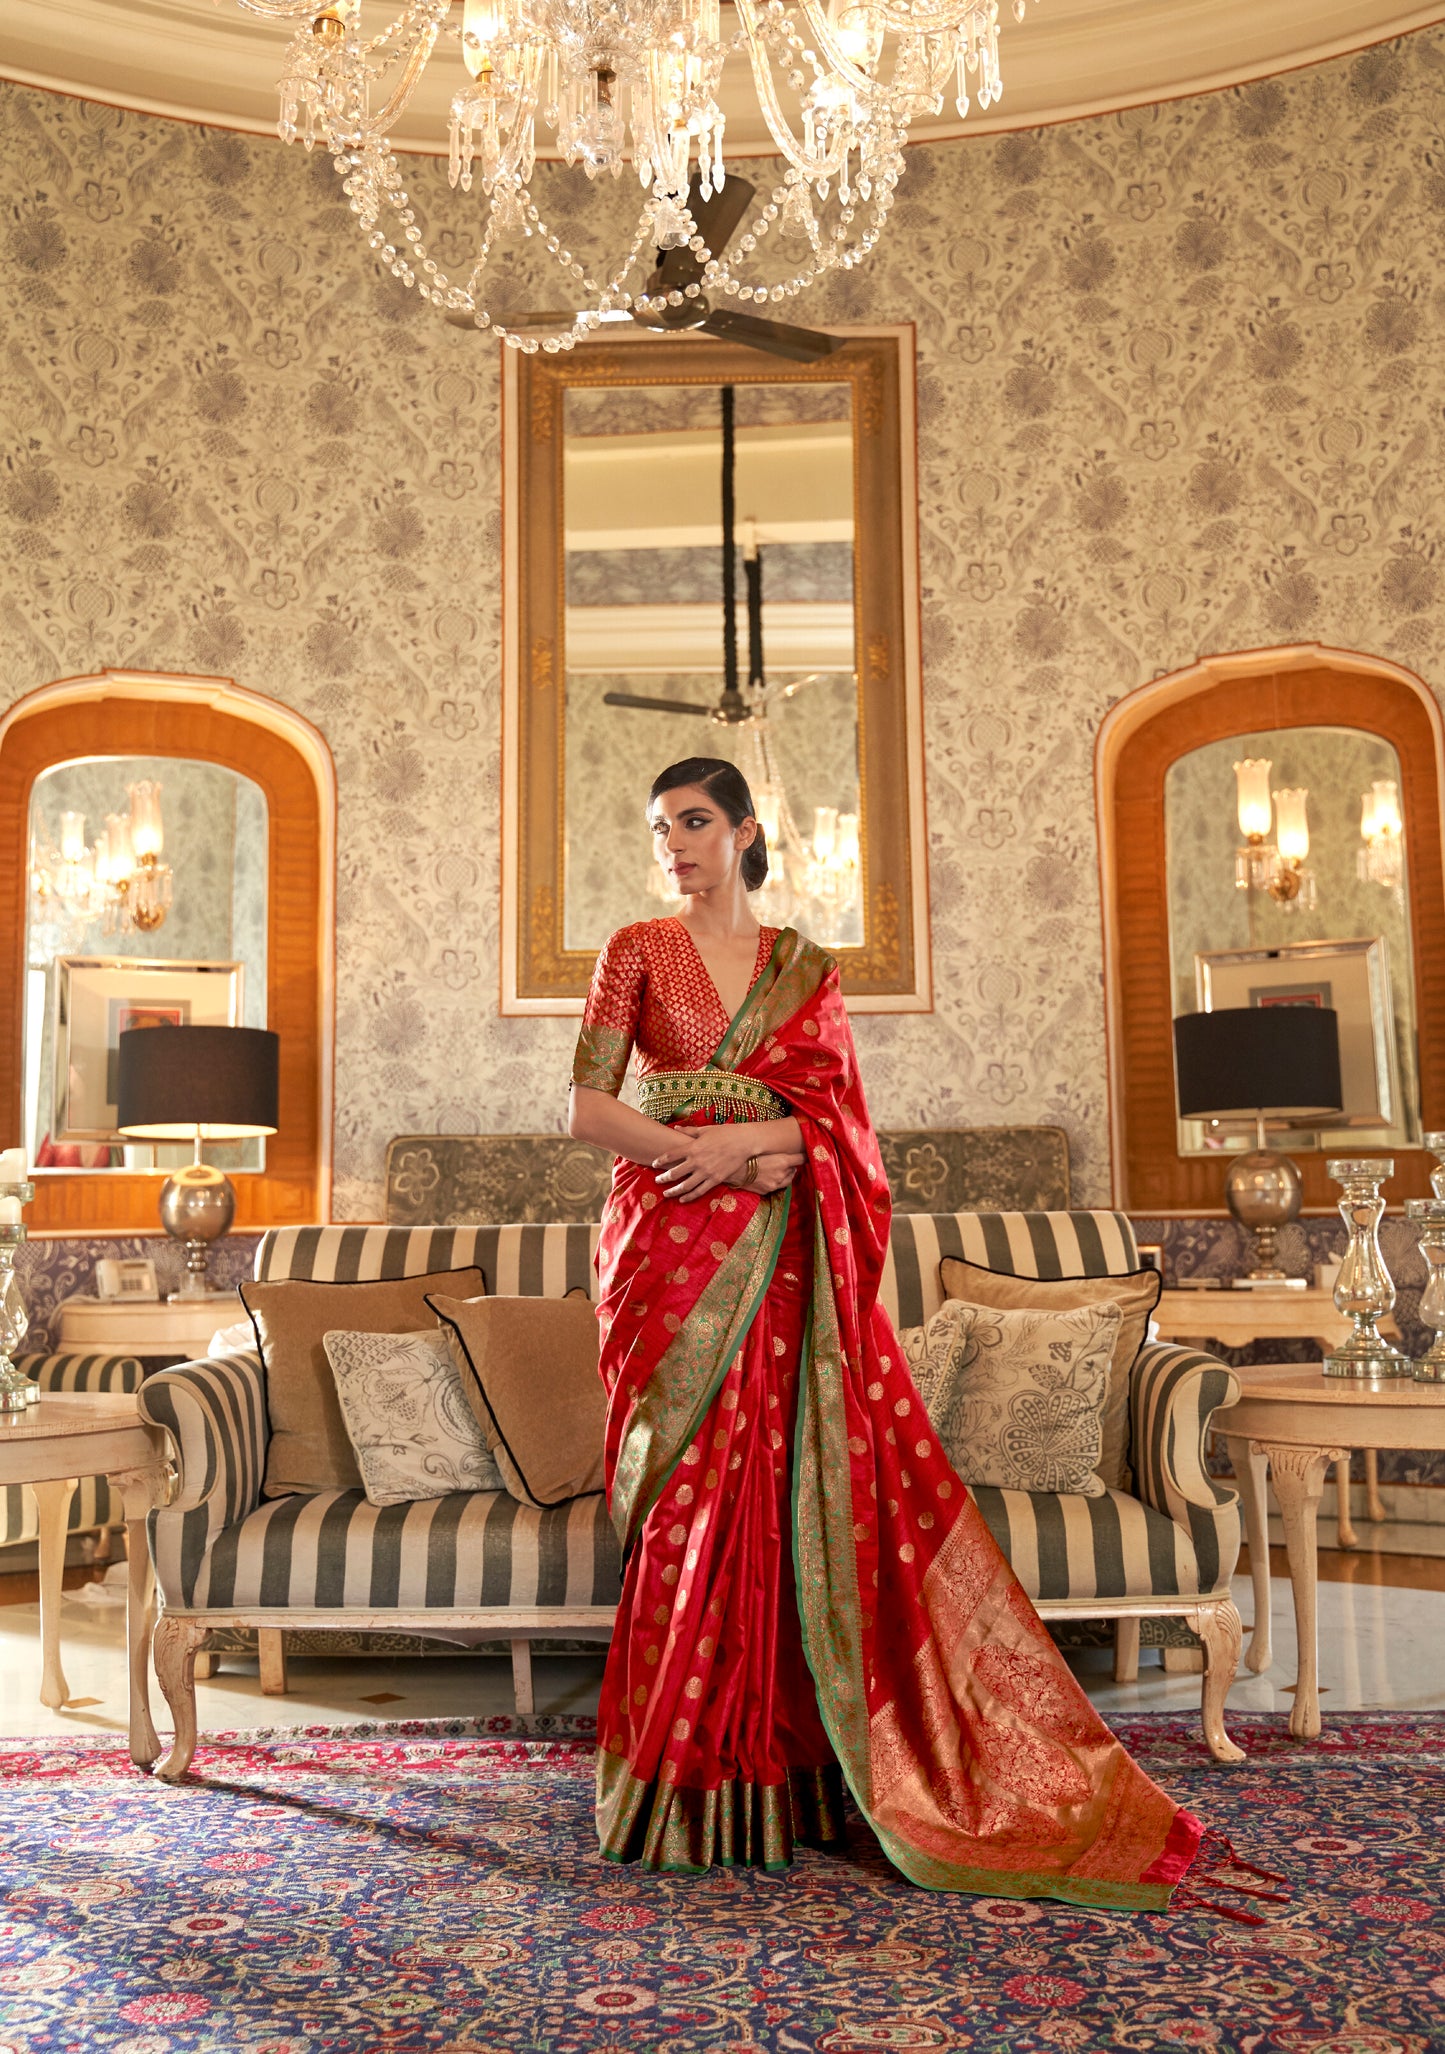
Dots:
pixel 1276 867
pixel 1382 829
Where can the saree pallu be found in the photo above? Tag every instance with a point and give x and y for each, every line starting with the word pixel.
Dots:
pixel 753 1380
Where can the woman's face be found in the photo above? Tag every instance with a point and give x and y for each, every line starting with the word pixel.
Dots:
pixel 694 841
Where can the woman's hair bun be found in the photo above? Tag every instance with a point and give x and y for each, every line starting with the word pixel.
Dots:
pixel 755 861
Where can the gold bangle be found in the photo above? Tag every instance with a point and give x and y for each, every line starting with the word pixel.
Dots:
pixel 752 1171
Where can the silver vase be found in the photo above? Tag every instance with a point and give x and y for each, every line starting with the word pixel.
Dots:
pixel 1428 1217
pixel 1364 1290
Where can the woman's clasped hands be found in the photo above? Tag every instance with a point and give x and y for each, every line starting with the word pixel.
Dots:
pixel 701 1158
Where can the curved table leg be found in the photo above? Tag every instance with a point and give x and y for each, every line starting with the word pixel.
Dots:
pixel 1374 1505
pixel 139 1491
pixel 1249 1473
pixel 53 1505
pixel 1345 1534
pixel 1299 1481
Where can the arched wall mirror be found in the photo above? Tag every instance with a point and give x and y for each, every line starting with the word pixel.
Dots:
pixel 1271 836
pixel 171 862
pixel 626 463
pixel 148 906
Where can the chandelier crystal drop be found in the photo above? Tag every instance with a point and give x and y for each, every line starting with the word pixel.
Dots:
pixel 838 82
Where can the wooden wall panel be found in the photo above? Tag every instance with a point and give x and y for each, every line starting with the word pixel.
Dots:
pixel 1156 1178
pixel 290 1190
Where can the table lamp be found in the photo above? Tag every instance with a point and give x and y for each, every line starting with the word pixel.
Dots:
pixel 1254 1062
pixel 197 1084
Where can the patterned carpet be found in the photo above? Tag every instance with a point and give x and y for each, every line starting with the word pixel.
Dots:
pixel 436 1887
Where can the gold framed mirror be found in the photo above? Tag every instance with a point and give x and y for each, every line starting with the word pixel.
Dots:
pixel 616 661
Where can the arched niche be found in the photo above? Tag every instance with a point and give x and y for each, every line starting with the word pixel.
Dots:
pixel 139 713
pixel 1147 731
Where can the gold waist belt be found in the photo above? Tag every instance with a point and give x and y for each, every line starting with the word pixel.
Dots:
pixel 669 1094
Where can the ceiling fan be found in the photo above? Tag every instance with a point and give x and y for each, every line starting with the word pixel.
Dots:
pixel 716 219
pixel 735 707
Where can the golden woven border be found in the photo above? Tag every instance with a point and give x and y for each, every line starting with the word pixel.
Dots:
pixel 668 1094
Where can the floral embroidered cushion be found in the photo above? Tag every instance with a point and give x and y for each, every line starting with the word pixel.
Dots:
pixel 529 1369
pixel 1017 1398
pixel 1136 1296
pixel 412 1429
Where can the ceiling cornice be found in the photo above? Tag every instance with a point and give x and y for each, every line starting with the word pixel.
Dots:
pixel 191 60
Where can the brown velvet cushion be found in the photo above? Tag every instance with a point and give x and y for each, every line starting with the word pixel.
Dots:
pixel 310 1449
pixel 1136 1295
pixel 529 1365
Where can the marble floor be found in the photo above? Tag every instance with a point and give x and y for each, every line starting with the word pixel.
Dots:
pixel 1382 1646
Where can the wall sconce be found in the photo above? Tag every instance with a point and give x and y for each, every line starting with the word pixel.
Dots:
pixel 1382 829
pixel 1275 867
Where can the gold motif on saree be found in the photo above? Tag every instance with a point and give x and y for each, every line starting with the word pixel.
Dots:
pixel 669 1095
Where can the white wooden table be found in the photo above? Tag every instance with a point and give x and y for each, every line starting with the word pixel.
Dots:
pixel 151 1326
pixel 1296 1421
pixel 71 1434
pixel 1237 1319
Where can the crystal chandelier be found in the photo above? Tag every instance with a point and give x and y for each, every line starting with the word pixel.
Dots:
pixel 121 883
pixel 1276 867
pixel 1382 830
pixel 838 83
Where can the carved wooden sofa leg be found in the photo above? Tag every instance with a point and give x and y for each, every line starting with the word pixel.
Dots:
pixel 1221 1630
pixel 271 1648
pixel 174 1654
pixel 1126 1650
pixel 522 1676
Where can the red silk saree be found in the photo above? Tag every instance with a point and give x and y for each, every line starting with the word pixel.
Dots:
pixel 809 1588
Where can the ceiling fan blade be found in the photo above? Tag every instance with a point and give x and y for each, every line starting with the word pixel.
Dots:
pixel 645 705
pixel 802 345
pixel 717 220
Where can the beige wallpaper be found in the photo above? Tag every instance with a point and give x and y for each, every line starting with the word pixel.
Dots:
pixel 1180 391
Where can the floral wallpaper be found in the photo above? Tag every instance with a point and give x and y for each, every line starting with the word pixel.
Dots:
pixel 1180 385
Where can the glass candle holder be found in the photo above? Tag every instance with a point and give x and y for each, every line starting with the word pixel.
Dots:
pixel 1364 1291
pixel 1435 1142
pixel 1428 1218
pixel 17 1392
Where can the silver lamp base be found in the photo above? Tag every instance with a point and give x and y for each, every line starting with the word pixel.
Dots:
pixel 197 1207
pixel 1263 1191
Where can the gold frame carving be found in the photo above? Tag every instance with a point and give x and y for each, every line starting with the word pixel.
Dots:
pixel 891 972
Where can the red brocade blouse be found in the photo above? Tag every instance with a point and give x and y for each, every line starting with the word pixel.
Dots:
pixel 651 991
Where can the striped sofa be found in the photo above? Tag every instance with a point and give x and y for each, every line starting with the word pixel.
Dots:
pixel 93 1507
pixel 471 1568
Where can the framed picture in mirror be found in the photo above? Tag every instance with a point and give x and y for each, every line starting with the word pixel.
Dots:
pixel 96 999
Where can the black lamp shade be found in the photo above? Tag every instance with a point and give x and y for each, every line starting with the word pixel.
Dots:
pixel 1245 1060
pixel 176 1081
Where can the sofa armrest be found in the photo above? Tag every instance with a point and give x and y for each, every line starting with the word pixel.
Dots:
pixel 73 1370
pixel 215 1414
pixel 1173 1394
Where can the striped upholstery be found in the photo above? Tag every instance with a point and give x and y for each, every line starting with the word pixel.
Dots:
pixel 92 1506
pixel 218 1547
pixel 1022 1244
pixel 335 1552
pixel 535 1261
pixel 1172 1397
pixel 1075 1548
pixel 72 1372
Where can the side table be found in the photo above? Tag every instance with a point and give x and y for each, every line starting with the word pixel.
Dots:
pixel 127 1326
pixel 1293 1417
pixel 1237 1319
pixel 71 1434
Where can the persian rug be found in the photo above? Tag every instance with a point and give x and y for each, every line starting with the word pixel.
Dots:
pixel 436 1886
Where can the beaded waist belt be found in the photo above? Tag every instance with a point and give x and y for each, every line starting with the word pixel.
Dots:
pixel 669 1094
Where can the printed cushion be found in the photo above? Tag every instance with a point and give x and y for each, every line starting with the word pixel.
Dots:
pixel 309 1450
pixel 1017 1398
pixel 413 1433
pixel 1136 1296
pixel 529 1366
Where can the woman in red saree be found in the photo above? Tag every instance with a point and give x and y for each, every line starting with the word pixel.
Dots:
pixel 810 1595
